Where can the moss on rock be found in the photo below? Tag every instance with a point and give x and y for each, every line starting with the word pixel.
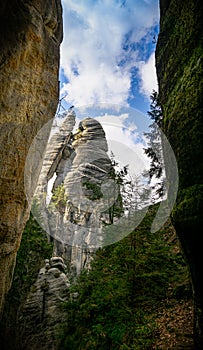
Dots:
pixel 179 65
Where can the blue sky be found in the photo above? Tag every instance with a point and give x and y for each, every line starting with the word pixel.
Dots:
pixel 107 54
pixel 108 69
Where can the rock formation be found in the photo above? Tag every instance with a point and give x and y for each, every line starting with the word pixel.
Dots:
pixel 31 32
pixel 180 72
pixel 41 314
pixel 82 190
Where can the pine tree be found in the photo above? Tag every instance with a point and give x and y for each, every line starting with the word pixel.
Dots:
pixel 154 149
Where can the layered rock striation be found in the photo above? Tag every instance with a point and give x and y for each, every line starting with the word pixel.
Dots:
pixel 31 33
pixel 82 190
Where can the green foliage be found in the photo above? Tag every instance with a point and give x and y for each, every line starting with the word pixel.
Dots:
pixel 59 199
pixel 118 297
pixel 33 250
pixel 95 190
pixel 155 112
pixel 118 175
pixel 154 149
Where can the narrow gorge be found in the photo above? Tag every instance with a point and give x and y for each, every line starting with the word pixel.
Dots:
pixel 74 272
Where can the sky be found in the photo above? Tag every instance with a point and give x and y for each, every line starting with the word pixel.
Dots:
pixel 107 54
pixel 107 69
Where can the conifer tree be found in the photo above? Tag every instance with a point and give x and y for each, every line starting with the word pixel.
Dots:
pixel 154 149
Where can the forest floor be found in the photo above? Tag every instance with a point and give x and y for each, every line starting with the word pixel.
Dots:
pixel 175 325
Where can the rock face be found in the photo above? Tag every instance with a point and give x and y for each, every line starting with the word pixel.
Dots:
pixel 40 316
pixel 180 74
pixel 82 190
pixel 31 32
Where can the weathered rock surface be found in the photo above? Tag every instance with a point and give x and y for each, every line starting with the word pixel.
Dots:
pixel 82 167
pixel 41 314
pixel 31 32
pixel 87 186
pixel 56 162
pixel 57 150
pixel 179 65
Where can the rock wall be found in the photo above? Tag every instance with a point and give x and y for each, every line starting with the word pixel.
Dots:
pixel 31 32
pixel 179 63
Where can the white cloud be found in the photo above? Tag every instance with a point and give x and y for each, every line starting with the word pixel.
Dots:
pixel 115 120
pixel 147 72
pixel 125 143
pixel 93 59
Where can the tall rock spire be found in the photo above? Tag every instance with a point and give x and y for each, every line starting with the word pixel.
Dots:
pixel 81 167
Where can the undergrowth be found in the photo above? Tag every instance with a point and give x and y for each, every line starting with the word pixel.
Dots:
pixel 118 298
